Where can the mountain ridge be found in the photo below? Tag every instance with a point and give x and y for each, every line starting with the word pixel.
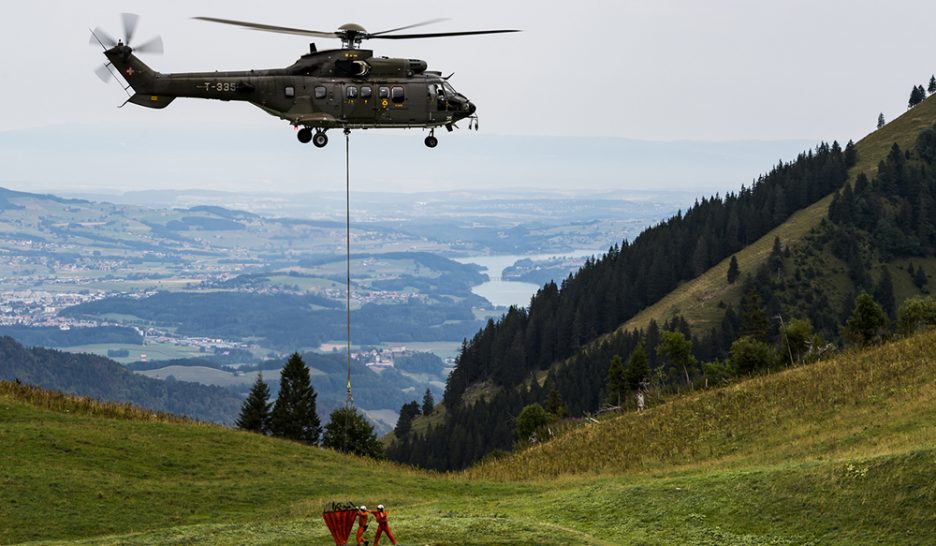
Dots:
pixel 690 298
pixel 492 357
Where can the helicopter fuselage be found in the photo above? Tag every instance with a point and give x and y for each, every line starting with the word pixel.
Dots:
pixel 344 88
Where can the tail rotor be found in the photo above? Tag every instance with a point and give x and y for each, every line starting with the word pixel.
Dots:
pixel 106 41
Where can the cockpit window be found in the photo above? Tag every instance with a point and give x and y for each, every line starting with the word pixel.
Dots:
pixel 397 94
pixel 449 90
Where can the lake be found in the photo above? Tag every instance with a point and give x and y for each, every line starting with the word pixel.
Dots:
pixel 507 293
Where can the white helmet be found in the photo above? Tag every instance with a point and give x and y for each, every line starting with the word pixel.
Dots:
pixel 380 507
pixel 363 508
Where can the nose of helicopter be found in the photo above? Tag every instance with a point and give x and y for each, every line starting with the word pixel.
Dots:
pixel 471 108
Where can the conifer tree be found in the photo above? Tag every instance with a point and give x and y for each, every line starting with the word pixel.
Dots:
pixel 637 369
pixel 349 432
pixel 776 257
pixel 868 321
pixel 733 271
pixel 428 402
pixel 881 121
pixel 407 413
pixel 616 382
pixel 255 413
pixel 554 404
pixel 851 154
pixel 884 293
pixel 754 320
pixel 932 85
pixel 916 96
pixel 919 278
pixel 294 415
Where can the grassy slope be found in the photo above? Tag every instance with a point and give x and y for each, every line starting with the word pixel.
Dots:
pixel 840 452
pixel 697 300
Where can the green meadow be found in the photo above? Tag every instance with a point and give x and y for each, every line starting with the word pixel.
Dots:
pixel 839 452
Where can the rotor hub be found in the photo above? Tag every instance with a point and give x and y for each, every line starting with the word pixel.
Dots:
pixel 351 35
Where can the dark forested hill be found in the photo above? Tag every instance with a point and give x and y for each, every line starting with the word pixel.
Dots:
pixel 877 221
pixel 606 292
pixel 98 377
pixel 285 321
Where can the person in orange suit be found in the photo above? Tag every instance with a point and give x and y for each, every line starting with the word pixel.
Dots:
pixel 381 516
pixel 362 516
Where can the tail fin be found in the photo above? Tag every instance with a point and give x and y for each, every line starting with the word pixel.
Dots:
pixel 140 77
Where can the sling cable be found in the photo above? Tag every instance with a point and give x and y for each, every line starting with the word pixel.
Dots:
pixel 349 403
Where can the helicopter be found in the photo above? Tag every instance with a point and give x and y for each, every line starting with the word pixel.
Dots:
pixel 346 88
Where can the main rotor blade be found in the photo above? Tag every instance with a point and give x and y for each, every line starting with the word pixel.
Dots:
pixel 104 73
pixel 424 23
pixel 105 38
pixel 152 46
pixel 269 28
pixel 130 21
pixel 440 34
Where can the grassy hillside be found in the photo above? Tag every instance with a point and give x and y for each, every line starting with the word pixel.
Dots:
pixel 858 405
pixel 838 452
pixel 697 300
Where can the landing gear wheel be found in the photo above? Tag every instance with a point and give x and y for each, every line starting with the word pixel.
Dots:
pixel 432 141
pixel 320 139
pixel 304 135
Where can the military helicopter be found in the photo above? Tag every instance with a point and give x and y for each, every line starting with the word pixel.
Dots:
pixel 347 88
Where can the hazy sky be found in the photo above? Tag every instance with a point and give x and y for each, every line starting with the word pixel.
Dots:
pixel 663 70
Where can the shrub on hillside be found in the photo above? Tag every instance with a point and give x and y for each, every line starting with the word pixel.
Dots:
pixel 749 355
pixel 531 422
pixel 348 431
pixel 915 314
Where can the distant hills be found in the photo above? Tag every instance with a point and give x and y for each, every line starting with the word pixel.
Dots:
pixel 101 378
pixel 80 273
pixel 271 160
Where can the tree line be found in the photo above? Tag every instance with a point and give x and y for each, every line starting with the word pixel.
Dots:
pixel 919 94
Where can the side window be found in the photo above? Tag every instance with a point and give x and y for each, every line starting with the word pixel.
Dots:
pixel 321 92
pixel 351 92
pixel 366 92
pixel 290 91
pixel 397 94
pixel 383 92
